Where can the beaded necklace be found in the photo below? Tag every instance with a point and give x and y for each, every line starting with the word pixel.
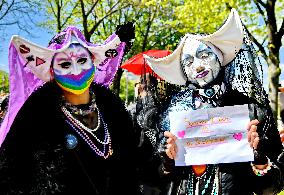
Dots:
pixel 207 183
pixel 87 134
pixel 80 111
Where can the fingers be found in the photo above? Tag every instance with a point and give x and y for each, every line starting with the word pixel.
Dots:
pixel 254 140
pixel 255 143
pixel 170 135
pixel 170 151
pixel 253 128
pixel 171 146
pixel 253 122
pixel 282 135
pixel 253 137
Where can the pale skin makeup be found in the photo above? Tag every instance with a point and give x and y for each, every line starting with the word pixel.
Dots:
pixel 201 67
pixel 200 63
pixel 73 60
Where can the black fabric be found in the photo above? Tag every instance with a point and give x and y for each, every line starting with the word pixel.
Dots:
pixel 126 34
pixel 238 178
pixel 34 158
pixel 240 174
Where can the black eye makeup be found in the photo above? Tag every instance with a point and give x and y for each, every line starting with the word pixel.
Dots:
pixel 65 65
pixel 82 60
pixel 187 60
pixel 203 52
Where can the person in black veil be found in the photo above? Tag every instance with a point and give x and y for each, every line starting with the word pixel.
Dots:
pixel 218 70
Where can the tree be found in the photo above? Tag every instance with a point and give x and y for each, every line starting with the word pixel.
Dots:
pixel 17 13
pixel 153 30
pixel 204 16
pixel 88 14
pixel 95 17
pixel 161 23
pixel 4 82
pixel 265 22
pixel 59 13
pixel 127 89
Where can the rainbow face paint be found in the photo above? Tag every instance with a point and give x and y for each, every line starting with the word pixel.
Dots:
pixel 73 69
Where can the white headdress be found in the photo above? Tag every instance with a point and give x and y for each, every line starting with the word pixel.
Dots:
pixel 225 42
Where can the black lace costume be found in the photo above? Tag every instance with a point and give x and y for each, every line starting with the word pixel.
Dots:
pixel 237 83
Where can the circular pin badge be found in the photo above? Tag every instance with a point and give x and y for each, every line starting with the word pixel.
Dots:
pixel 209 92
pixel 71 141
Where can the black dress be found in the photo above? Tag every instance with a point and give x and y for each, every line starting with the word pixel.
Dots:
pixel 34 158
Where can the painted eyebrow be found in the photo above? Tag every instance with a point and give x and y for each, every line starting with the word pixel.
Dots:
pixel 62 59
pixel 69 58
pixel 202 48
pixel 82 55
pixel 186 56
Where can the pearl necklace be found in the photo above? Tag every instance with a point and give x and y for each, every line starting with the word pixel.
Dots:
pixel 81 125
pixel 83 131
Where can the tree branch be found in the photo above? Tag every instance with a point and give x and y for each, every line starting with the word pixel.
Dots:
pixel 260 46
pixel 92 8
pixel 261 3
pixel 6 12
pixel 71 14
pixel 83 8
pixel 281 30
pixel 260 10
pixel 110 12
pixel 8 23
pixel 100 20
pixel 2 4
pixel 52 9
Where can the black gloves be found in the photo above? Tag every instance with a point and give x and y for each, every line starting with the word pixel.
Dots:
pixel 167 163
pixel 259 156
pixel 126 34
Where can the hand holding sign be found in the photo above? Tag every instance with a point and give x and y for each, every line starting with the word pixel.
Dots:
pixel 220 133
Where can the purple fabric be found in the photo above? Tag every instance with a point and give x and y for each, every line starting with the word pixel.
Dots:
pixel 106 71
pixel 23 83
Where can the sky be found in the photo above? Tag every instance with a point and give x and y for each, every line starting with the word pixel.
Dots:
pixel 42 37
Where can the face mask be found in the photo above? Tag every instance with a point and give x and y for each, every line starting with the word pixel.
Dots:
pixel 199 62
pixel 73 69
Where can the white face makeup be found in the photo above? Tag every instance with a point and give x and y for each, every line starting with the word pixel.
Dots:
pixel 199 62
pixel 73 61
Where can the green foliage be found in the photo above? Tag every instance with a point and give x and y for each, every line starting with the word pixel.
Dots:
pixel 204 16
pixel 4 82
pixel 255 20
pixel 126 89
pixel 159 23
pixel 59 14
pixel 152 28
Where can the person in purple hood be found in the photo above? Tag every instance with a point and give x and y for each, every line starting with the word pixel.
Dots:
pixel 68 134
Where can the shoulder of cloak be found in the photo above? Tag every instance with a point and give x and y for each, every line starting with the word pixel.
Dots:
pixel 37 114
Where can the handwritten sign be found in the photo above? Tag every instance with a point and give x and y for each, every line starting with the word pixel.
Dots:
pixel 211 136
